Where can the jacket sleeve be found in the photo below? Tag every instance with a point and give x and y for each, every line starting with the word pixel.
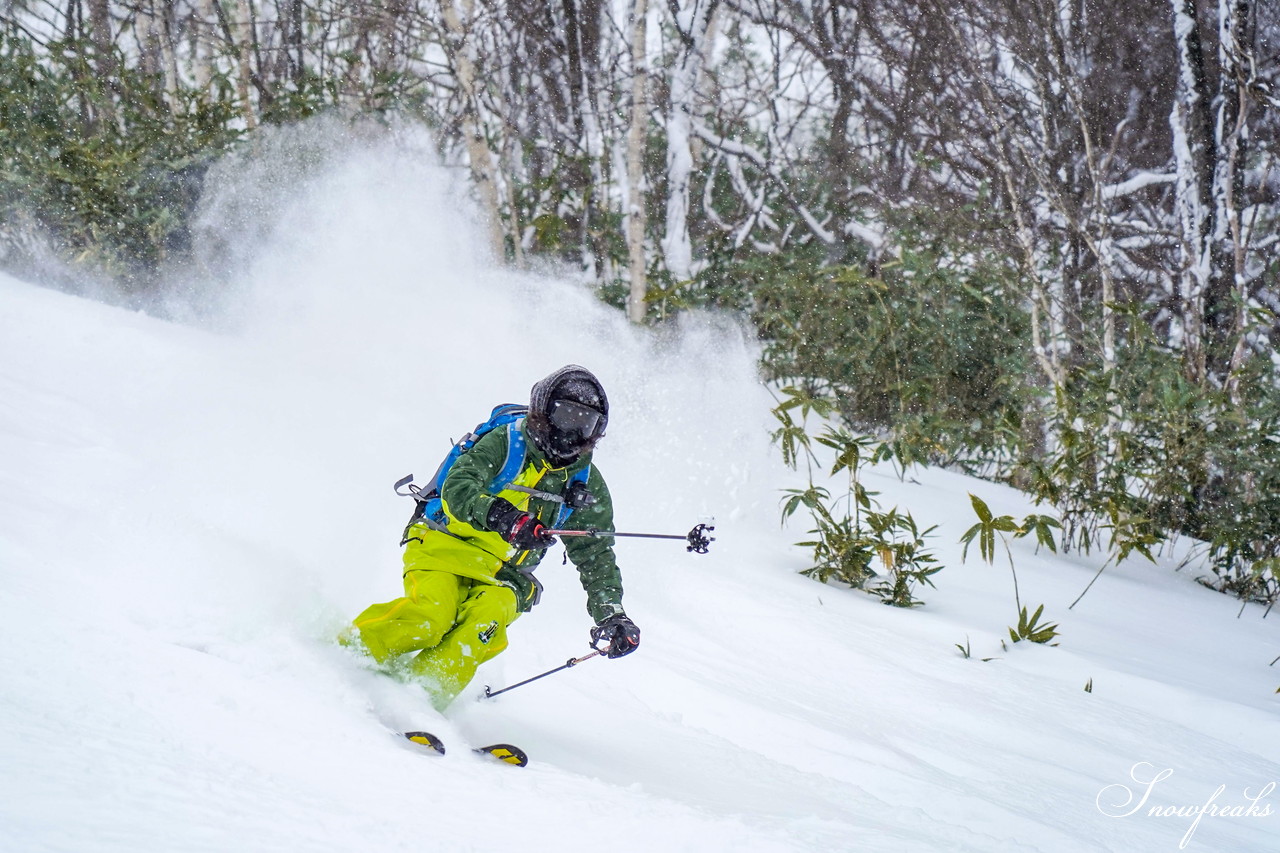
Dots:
pixel 466 489
pixel 593 556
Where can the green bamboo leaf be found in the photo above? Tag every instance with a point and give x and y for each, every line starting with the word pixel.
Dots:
pixel 980 507
pixel 1044 533
pixel 967 539
pixel 795 397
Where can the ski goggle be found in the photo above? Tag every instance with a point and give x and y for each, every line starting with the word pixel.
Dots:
pixel 568 416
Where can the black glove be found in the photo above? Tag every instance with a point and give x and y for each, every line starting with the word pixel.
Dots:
pixel 517 526
pixel 619 632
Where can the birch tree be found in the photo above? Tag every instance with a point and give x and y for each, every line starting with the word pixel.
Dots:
pixel 104 60
pixel 691 21
pixel 1193 152
pixel 457 16
pixel 638 121
pixel 1211 125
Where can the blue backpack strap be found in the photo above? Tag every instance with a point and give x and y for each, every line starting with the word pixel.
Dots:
pixel 517 450
pixel 507 415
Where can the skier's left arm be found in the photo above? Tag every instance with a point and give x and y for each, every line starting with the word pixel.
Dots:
pixel 598 569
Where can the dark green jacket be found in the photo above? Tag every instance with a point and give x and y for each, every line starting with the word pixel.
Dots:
pixel 466 496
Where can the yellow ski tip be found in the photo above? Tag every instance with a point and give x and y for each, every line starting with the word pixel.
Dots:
pixel 505 752
pixel 426 739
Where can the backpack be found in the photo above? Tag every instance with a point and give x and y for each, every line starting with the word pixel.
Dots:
pixel 430 506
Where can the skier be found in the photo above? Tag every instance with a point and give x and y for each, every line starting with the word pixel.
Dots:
pixel 469 575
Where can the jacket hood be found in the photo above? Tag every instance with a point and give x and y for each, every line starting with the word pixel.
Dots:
pixel 571 382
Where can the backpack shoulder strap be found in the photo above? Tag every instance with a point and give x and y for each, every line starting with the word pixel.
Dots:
pixel 517 451
pixel 429 506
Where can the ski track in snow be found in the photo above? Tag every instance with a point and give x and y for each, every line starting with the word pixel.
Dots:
pixel 187 518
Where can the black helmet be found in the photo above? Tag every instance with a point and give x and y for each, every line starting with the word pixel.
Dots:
pixel 568 412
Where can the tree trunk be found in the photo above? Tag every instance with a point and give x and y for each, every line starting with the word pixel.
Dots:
pixel 104 59
pixel 636 218
pixel 478 152
pixel 164 33
pixel 1193 151
pixel 1235 49
pixel 202 45
pixel 691 26
pixel 582 40
pixel 244 52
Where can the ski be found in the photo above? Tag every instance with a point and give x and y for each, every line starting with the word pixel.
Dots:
pixel 504 752
pixel 426 739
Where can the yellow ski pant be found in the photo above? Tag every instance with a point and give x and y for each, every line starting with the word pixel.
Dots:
pixel 454 624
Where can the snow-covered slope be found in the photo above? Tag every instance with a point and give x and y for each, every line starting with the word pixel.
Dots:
pixel 188 517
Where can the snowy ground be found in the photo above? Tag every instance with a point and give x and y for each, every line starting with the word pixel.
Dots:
pixel 187 518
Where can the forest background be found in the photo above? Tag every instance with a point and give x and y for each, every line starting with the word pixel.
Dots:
pixel 1034 239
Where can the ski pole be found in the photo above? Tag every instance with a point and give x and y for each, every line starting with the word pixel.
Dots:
pixel 572 662
pixel 697 538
